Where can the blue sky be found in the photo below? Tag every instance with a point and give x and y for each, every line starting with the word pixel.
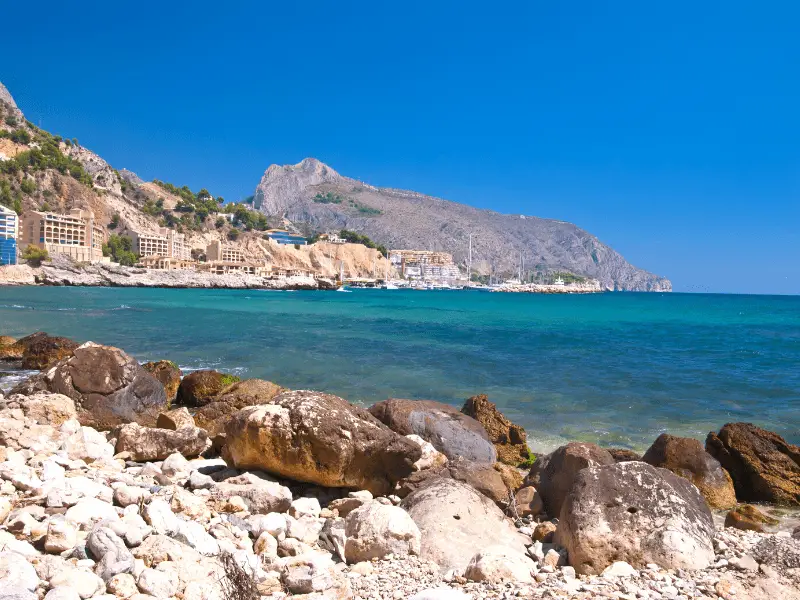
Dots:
pixel 669 130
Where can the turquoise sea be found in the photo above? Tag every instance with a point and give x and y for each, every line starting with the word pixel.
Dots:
pixel 617 369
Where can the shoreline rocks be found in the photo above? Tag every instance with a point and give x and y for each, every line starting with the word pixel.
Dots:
pixel 451 432
pixel 303 502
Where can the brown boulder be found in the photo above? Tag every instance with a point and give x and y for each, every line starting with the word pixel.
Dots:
pixel 687 458
pixel 449 431
pixel 528 502
pixel 623 454
pixel 200 387
pixel 510 440
pixel 108 386
pixel 214 416
pixel 748 518
pixel 763 466
pixel 7 340
pixel 175 419
pixel 319 438
pixel 168 373
pixel 149 443
pixel 561 468
pixel 38 350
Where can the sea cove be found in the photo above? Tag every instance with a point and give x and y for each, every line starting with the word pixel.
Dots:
pixel 616 369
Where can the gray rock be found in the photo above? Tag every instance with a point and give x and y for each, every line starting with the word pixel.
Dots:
pixel 261 495
pixel 150 443
pixel 445 427
pixel 637 513
pixel 110 552
pixel 108 386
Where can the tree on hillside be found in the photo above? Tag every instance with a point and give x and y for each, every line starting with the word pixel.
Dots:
pixel 34 255
pixel 120 249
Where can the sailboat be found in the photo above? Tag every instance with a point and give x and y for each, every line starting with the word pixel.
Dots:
pixel 341 287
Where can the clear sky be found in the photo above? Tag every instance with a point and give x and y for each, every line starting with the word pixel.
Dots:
pixel 671 130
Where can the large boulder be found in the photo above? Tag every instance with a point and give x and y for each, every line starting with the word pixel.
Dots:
pixel 560 469
pixel 510 440
pixel 43 351
pixel 485 478
pixel 457 523
pixel 499 564
pixel 375 530
pixel 38 350
pixel 636 513
pixel 150 443
pixel 168 373
pixel 764 467
pixel 319 438
pixel 108 386
pixel 200 387
pixel 214 416
pixel 450 431
pixel 687 458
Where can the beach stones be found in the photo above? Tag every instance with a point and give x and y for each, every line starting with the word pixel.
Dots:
pixel 763 466
pixel 451 432
pixel 319 438
pixel 457 522
pixel 510 440
pixel 557 472
pixel 200 387
pixel 687 458
pixel 150 443
pixel 168 373
pixel 375 530
pixel 108 386
pixel 215 415
pixel 638 513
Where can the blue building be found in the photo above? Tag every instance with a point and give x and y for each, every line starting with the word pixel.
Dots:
pixel 9 227
pixel 284 237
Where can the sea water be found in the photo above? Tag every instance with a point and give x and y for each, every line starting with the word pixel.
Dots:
pixel 617 368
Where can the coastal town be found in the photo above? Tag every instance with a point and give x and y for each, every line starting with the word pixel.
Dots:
pixel 77 237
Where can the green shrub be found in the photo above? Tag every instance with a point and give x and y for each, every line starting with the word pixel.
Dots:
pixel 233 234
pixel 120 249
pixel 34 255
pixel 28 186
pixel 114 221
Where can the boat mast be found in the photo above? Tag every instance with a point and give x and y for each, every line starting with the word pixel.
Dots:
pixel 469 262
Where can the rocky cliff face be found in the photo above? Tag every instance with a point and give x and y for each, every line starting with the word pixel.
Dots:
pixel 405 219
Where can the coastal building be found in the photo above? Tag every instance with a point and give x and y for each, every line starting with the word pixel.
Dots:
pixel 425 265
pixel 9 229
pixel 166 263
pixel 73 234
pixel 167 243
pixel 281 236
pixel 221 267
pixel 332 238
pixel 217 251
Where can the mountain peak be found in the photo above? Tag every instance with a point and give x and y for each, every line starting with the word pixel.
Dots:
pixel 285 184
pixel 5 96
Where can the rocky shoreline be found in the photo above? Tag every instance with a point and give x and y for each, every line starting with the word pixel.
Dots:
pixel 121 480
pixel 64 272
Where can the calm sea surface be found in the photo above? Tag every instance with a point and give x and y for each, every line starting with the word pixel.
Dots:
pixel 617 369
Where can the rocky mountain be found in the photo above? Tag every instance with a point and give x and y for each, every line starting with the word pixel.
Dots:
pixel 42 171
pixel 314 196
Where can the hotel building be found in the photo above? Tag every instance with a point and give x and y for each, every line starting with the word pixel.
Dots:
pixel 217 251
pixel 73 234
pixel 9 229
pixel 166 243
